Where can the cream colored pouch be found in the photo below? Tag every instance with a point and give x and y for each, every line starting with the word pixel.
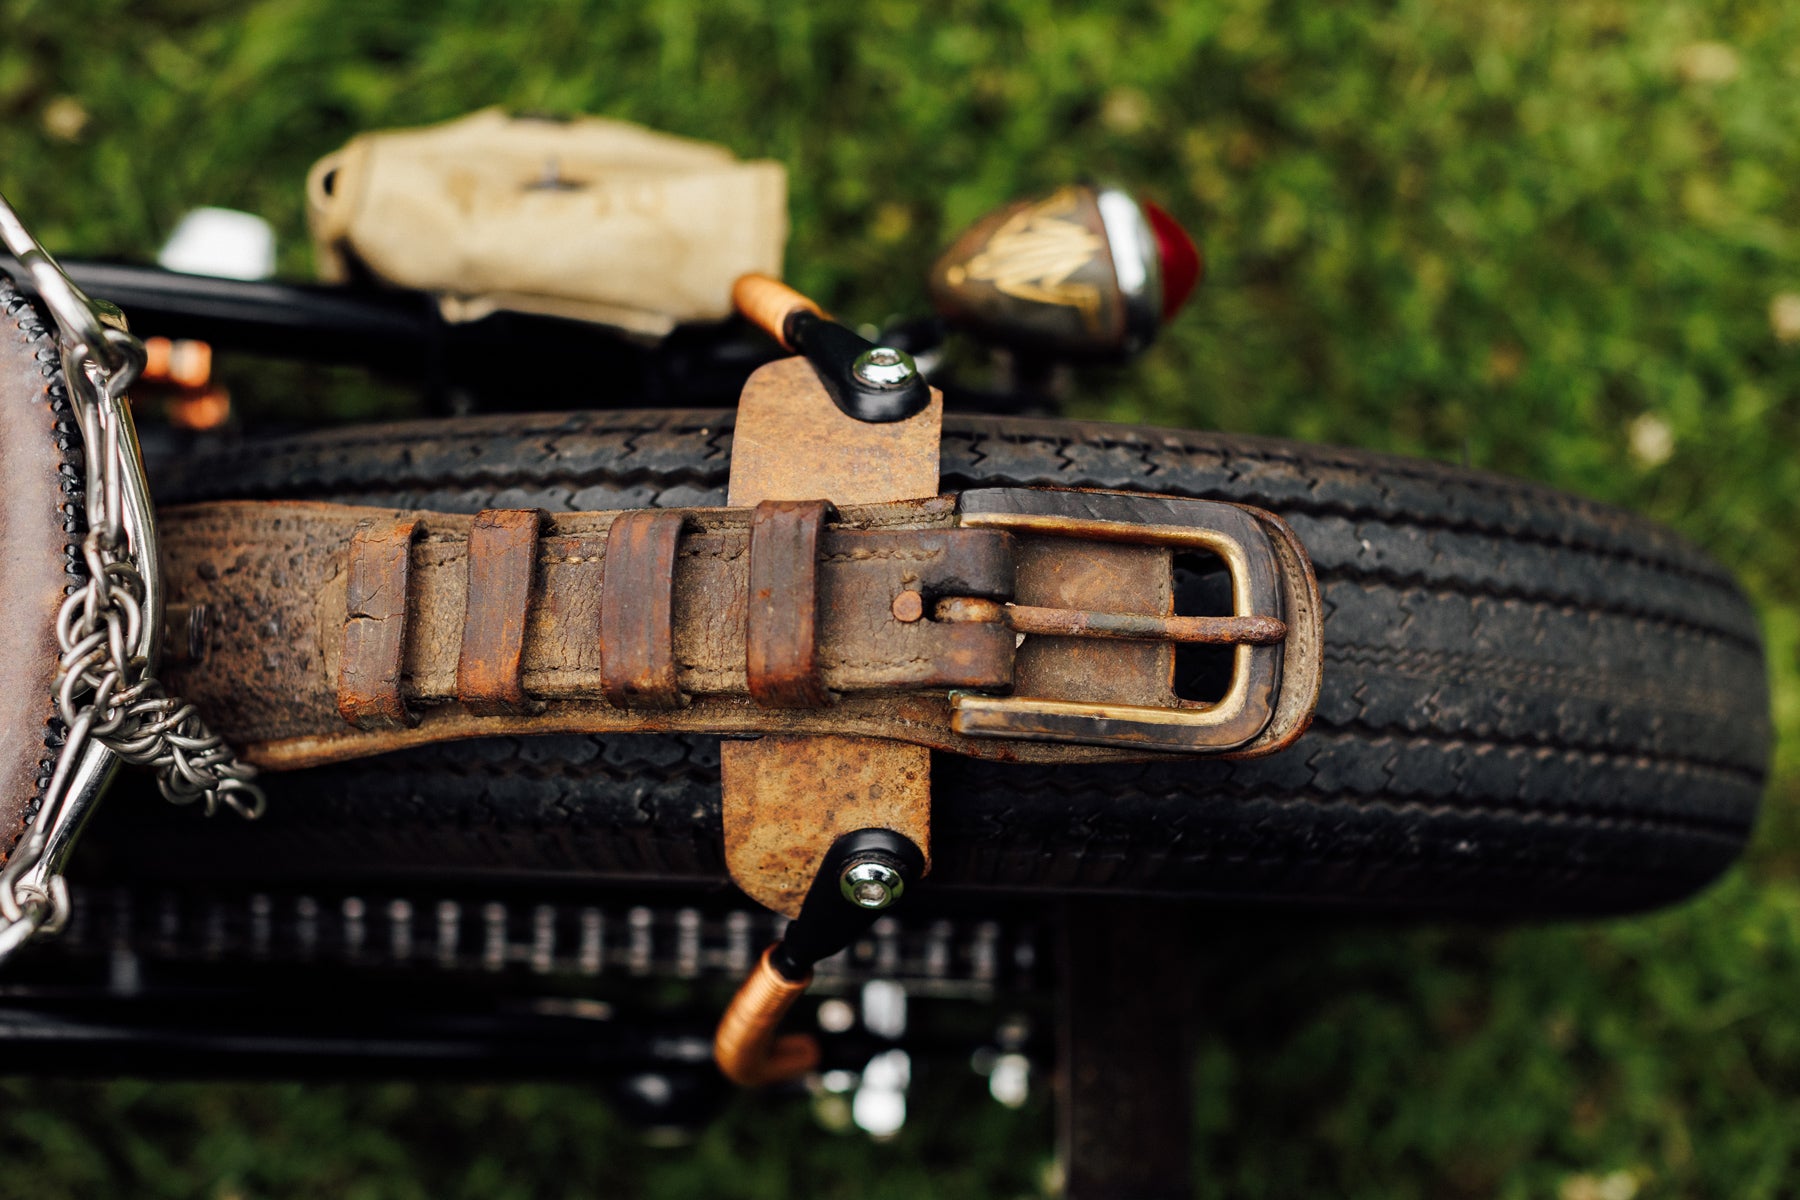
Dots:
pixel 588 218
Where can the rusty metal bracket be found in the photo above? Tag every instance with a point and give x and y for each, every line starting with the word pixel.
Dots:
pixel 787 798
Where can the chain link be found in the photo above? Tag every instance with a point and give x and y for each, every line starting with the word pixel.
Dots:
pixel 107 695
pixel 125 706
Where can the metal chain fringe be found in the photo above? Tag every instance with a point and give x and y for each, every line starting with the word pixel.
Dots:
pixel 114 699
pixel 106 694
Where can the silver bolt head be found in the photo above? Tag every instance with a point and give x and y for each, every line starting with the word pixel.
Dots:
pixel 884 367
pixel 871 885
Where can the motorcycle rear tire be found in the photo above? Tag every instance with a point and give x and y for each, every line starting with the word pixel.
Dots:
pixel 1532 703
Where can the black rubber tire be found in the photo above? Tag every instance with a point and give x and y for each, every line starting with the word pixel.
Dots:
pixel 1532 703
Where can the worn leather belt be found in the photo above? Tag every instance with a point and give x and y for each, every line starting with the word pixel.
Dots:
pixel 1023 624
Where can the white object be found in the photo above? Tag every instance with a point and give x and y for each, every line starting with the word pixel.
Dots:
pixel 879 1106
pixel 836 1016
pixel 222 242
pixel 1010 1080
pixel 884 1009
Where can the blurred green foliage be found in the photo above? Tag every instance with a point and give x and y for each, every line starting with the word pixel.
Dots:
pixel 1560 240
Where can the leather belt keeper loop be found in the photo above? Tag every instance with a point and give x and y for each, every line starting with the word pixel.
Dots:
pixel 374 653
pixel 782 634
pixel 503 547
pixel 637 611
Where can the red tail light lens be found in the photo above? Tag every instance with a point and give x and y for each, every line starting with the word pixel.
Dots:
pixel 1182 266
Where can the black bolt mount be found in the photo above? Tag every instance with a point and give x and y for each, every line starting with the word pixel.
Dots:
pixel 829 920
pixel 875 384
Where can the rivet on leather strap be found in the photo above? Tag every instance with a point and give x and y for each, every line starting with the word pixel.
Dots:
pixel 782 647
pixel 375 624
pixel 637 610
pixel 502 561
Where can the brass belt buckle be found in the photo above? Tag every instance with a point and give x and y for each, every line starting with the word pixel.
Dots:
pixel 1274 623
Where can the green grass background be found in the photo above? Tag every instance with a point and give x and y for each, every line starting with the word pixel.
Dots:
pixel 1529 234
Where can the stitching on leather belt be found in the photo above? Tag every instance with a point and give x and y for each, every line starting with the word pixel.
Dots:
pixel 782 646
pixel 502 561
pixel 380 570
pixel 637 611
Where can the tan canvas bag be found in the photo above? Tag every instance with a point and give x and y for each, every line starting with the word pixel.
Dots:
pixel 589 218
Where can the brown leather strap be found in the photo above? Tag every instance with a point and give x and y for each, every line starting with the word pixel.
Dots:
pixel 375 611
pixel 490 668
pixel 637 611
pixel 296 673
pixel 910 643
pixel 783 650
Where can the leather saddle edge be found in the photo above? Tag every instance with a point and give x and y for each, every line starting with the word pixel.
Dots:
pixel 40 514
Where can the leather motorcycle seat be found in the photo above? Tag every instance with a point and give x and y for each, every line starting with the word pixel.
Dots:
pixel 40 529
